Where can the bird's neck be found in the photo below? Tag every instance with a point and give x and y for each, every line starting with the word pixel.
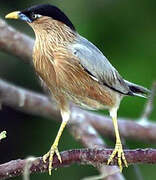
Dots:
pixel 53 32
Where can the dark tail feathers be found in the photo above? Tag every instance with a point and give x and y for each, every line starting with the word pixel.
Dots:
pixel 138 90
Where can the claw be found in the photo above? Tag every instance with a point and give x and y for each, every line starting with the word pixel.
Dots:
pixel 50 155
pixel 120 154
pixel 45 157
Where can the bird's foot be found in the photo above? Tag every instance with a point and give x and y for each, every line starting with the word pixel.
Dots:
pixel 118 150
pixel 49 155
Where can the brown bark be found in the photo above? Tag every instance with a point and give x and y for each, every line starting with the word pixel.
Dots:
pixel 95 157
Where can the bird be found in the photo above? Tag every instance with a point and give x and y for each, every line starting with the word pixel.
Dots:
pixel 75 70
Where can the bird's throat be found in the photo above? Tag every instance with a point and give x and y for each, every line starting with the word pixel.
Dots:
pixel 55 32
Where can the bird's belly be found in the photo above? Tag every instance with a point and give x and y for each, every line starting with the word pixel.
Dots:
pixel 86 102
pixel 91 105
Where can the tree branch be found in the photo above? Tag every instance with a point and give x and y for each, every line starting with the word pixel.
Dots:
pixel 95 157
pixel 37 104
pixel 14 42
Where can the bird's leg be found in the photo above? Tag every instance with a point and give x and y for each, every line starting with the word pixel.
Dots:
pixel 118 150
pixel 54 147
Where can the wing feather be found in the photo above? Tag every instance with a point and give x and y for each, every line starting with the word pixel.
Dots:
pixel 93 60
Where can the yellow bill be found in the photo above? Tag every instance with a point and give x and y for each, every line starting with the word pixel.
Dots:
pixel 13 15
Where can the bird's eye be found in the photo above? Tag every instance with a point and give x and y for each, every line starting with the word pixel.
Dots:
pixel 35 16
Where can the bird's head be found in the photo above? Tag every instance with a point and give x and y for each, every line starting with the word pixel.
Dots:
pixel 35 14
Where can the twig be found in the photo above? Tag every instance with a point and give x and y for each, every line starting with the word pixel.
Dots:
pixel 3 135
pixel 95 157
pixel 144 121
pixel 28 163
pixel 138 172
pixel 149 106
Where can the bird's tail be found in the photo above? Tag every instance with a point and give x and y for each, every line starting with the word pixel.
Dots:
pixel 138 90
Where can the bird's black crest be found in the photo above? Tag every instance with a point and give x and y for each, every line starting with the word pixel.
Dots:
pixel 50 11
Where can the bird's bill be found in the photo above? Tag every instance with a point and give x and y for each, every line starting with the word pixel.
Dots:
pixel 13 15
pixel 18 15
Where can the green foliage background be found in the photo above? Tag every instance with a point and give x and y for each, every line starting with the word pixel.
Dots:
pixel 125 31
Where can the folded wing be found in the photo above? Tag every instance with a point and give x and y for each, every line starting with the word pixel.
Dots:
pixel 97 65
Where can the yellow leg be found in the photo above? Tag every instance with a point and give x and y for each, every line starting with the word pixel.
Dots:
pixel 54 147
pixel 118 150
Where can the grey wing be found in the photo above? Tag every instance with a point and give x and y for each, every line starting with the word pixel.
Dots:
pixel 97 65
